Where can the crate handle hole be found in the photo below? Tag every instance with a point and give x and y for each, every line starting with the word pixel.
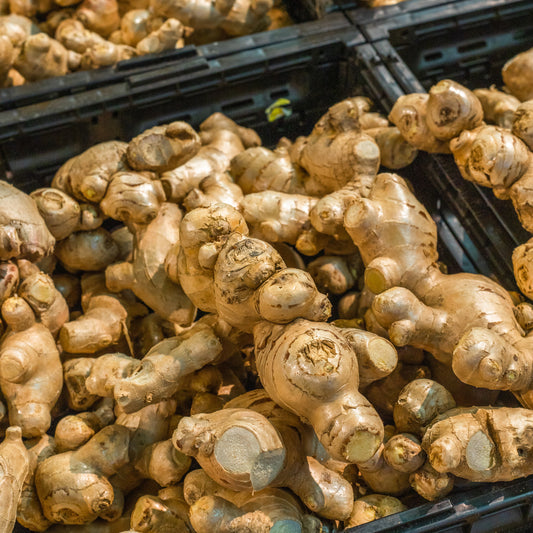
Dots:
pixel 433 56
pixel 477 45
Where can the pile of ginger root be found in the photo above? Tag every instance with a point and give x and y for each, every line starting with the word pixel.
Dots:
pixel 216 336
pixel 41 39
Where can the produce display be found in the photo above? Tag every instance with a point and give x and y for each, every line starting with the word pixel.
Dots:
pixel 203 334
pixel 43 39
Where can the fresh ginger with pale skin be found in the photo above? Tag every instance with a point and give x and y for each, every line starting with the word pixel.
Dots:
pixel 344 421
pixel 416 302
pixel 74 486
pixel 321 489
pixel 165 367
pixel 145 275
pixel 481 443
pixel 203 232
pixel 14 467
pixel 28 356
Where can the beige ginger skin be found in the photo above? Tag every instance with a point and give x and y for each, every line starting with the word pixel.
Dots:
pixel 145 275
pixel 203 233
pixel 86 176
pixel 517 75
pixel 31 375
pixel 373 507
pixel 221 140
pixel 14 467
pixel 24 233
pixel 451 109
pixel 481 443
pixel 73 486
pixel 165 367
pixel 416 301
pixel 321 489
pixel 265 511
pixel 304 352
pixel 498 107
pixel 133 198
pixel 252 284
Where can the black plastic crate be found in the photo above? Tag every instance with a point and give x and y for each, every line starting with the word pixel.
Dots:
pixel 467 41
pixel 306 21
pixel 362 17
pixel 312 72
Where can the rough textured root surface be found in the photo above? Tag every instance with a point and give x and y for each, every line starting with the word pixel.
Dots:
pixel 373 507
pixel 430 484
pixel 166 513
pixel 334 160
pixel 523 267
pixel 101 325
pixel 492 157
pixel 23 232
pixel 498 107
pixel 404 453
pixel 87 250
pixel 59 210
pixel 73 486
pixel 522 125
pixel 420 401
pixel 28 355
pixel 165 367
pixel 376 356
pixel 517 75
pixel 395 245
pixel 163 148
pixel 384 393
pixel 238 448
pixel 132 198
pixel 394 150
pixel 14 467
pixel 146 275
pixel 278 216
pixel 381 477
pixel 321 489
pixel 218 149
pixel 203 232
pixel 451 109
pixel 521 196
pixel 87 175
pixel 481 444
pixel 409 115
pixel 251 284
pixel 259 169
pixel 310 369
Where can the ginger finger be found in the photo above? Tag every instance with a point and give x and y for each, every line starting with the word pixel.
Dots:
pixel 373 507
pixel 517 75
pixel 409 115
pixel 344 421
pixel 15 465
pixel 28 355
pixel 420 401
pixel 164 367
pixel 498 107
pixel 451 109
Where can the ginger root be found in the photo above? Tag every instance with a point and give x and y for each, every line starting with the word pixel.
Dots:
pixel 373 507
pixel 73 486
pixel 28 356
pixel 481 443
pixel 498 107
pixel 517 75
pixel 292 361
pixel 14 467
pixel 23 232
pixel 145 275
